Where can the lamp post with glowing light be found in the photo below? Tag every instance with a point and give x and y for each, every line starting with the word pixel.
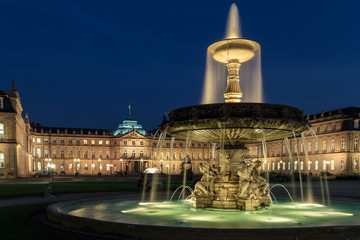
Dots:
pixel 121 163
pixel 99 174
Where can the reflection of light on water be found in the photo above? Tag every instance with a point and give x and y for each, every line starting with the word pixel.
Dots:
pixel 145 203
pixel 133 210
pixel 275 219
pixel 341 213
pixel 199 218
pixel 310 205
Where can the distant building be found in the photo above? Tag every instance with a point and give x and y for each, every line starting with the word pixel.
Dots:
pixel 29 148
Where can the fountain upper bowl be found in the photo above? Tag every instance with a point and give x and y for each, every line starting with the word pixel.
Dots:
pixel 235 49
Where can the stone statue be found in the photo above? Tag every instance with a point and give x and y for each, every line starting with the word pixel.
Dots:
pixel 205 187
pixel 245 179
pixel 261 182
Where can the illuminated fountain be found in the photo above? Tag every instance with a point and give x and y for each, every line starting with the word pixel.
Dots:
pixel 231 200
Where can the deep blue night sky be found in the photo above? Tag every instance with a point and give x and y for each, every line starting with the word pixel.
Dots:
pixel 79 63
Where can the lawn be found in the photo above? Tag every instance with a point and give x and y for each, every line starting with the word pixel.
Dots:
pixel 16 223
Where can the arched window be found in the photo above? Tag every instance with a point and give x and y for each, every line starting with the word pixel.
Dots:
pixel 38 153
pixel 301 147
pixel 1 131
pixel 2 160
pixel 343 144
pixel 301 165
pixel 39 166
pixel 356 144
pixel 324 146
pixel 332 165
pixel 296 165
pixel 141 154
pixel 316 165
pixel 133 154
pixel 125 154
pixel 333 145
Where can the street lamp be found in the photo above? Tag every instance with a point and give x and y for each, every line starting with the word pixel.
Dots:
pixel 121 163
pixel 99 174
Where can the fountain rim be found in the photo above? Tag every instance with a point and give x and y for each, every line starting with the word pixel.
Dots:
pixel 257 45
pixel 83 225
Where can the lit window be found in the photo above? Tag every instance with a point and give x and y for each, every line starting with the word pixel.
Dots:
pixel 107 142
pixel 343 144
pixel 92 142
pixel 324 165
pixel 38 140
pixel 309 165
pixel 2 160
pixel 38 153
pixel 356 144
pixel 278 166
pixel 1 131
pixel 85 141
pixel 93 165
pixel 70 166
pixel 39 166
pixel 301 165
pixel 283 165
pixel 332 165
pixel 316 165
pixel 296 165
pixel 273 166
pixel 85 166
pixel 100 142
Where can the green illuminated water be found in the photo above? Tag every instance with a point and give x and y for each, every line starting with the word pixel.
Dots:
pixel 282 215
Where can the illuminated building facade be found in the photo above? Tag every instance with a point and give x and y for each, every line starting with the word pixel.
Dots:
pixel 29 148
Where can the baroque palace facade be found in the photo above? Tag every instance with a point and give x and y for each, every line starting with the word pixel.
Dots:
pixel 27 148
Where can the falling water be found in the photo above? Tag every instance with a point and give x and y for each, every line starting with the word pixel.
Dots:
pixel 213 152
pixel 288 146
pixel 251 79
pixel 308 178
pixel 321 180
pixel 155 179
pixel 299 169
pixel 214 81
pixel 169 175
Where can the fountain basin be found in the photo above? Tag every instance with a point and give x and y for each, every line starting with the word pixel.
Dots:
pixel 126 217
pixel 245 122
